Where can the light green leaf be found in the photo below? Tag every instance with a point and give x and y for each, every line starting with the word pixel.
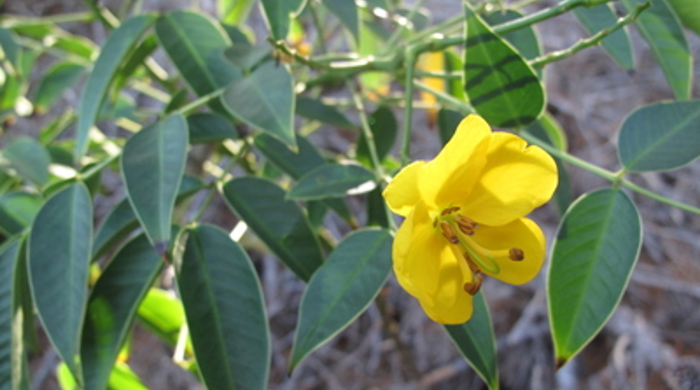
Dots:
pixel 112 55
pixel 264 100
pixel 280 223
pixel 660 137
pixel 121 378
pixel 617 44
pixel 661 28
pixel 499 83
pixel 162 313
pixel 11 343
pixel 315 110
pixel 346 12
pixel 17 210
pixel 47 31
pixel 234 11
pixel 60 77
pixel 384 127
pixel 475 340
pixel 596 248
pixel 29 158
pixel 153 162
pixel 58 252
pixel 277 14
pixel 112 307
pixel 689 13
pixel 524 40
pixel 333 181
pixel 341 289
pixel 209 127
pixel 225 310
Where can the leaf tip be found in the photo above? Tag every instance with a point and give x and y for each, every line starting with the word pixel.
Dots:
pixel 561 361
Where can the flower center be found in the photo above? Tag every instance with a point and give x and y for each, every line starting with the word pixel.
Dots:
pixel 459 230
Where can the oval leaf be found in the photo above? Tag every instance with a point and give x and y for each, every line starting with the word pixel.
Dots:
pixel 660 137
pixel 596 248
pixel 617 44
pixel 475 340
pixel 315 110
pixel 56 80
pixel 333 181
pixel 277 14
pixel 17 210
pixel 209 127
pixel 30 159
pixel 225 311
pixel 341 289
pixel 9 375
pixel 500 84
pixel 115 49
pixel 153 162
pixel 661 28
pixel 264 100
pixel 59 255
pixel 112 306
pixel 280 223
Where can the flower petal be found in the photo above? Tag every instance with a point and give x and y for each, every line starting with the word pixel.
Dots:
pixel 449 177
pixel 450 303
pixel 524 234
pixel 402 193
pixel 515 180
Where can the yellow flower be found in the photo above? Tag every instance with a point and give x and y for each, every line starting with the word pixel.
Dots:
pixel 465 218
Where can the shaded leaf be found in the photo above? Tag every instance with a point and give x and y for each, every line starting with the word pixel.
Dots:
pixel 56 80
pixel 617 44
pixel 448 120
pixel 689 13
pixel 315 110
pixel 384 127
pixel 333 181
pixel 246 56
pixel 209 127
pixel 346 12
pixel 17 210
pixel 29 158
pixel 277 15
pixel 11 343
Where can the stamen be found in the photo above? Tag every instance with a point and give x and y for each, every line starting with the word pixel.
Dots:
pixel 474 286
pixel 449 232
pixel 449 210
pixel 516 254
pixel 485 261
pixel 473 267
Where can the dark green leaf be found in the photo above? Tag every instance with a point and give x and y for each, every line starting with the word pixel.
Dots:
pixel 660 137
pixel 209 127
pixel 448 120
pixel 58 251
pixel 524 40
pixel 596 248
pixel 11 348
pixel 29 158
pixel 376 209
pixel 346 12
pixel 277 14
pixel 499 83
pixel 661 28
pixel 280 223
pixel 112 306
pixel 17 210
pixel 56 80
pixel 242 35
pixel 315 110
pixel 333 181
pixel 115 49
pixel 9 47
pixel 153 162
pixel 225 310
pixel 618 44
pixel 341 289
pixel 136 59
pixel 475 340
pixel 264 100
pixel 384 127
pixel 247 56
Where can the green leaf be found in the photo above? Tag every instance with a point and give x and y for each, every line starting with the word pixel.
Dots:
pixel 60 77
pixel 9 47
pixel 298 164
pixel 689 13
pixel 373 37
pixel 661 28
pixel 447 121
pixel 136 59
pixel 384 127
pixel 209 127
pixel 660 137
pixel 195 45
pixel 122 378
pixel 47 31
pixel 376 209
pixel 246 56
pixel 17 210
pixel 29 158
pixel 346 12
pixel 500 84
pixel 153 162
pixel 277 14
pixel 59 255
pixel 315 110
pixel 225 310
pixel 112 307
pixel 617 44
pixel 162 313
pixel 234 11
pixel 596 248
pixel 112 55
pixel 333 181
pixel 524 40
pixel 11 343
pixel 341 289
pixel 475 340
pixel 280 223
pixel 264 100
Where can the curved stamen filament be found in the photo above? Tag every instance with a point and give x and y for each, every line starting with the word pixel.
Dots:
pixel 485 261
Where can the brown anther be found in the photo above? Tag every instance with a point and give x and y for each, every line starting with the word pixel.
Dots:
pixel 516 254
pixel 474 286
pixel 449 210
pixel 472 266
pixel 449 232
pixel 466 225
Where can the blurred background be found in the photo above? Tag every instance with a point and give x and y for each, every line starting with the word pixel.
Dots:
pixel 651 342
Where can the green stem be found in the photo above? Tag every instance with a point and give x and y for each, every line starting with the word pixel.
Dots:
pixel 204 99
pixel 408 115
pixel 548 13
pixel 660 198
pixel 455 75
pixel 445 98
pixel 399 29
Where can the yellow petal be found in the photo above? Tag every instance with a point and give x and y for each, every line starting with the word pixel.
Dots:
pixel 524 234
pixel 402 192
pixel 515 180
pixel 418 251
pixel 451 304
pixel 449 178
